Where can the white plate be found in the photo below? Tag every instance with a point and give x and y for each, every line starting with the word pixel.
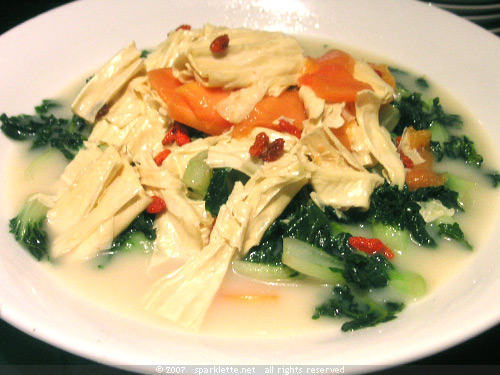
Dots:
pixel 469 10
pixel 466 2
pixel 44 55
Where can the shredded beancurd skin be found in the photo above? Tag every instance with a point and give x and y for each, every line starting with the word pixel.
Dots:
pixel 253 154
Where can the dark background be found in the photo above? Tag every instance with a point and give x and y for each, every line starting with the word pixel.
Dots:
pixel 20 354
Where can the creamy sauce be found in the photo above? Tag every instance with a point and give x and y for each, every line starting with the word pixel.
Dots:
pixel 242 306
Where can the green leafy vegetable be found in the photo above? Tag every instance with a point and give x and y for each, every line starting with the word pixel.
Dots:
pixel 465 189
pixel 363 312
pixel 495 178
pixel 270 249
pixel 28 228
pixel 392 237
pixel 449 198
pixel 437 150
pixel 399 208
pixel 421 114
pixel 311 261
pixel 197 176
pixel 393 207
pixel 220 187
pixel 265 272
pixel 364 271
pixel 388 117
pixel 422 83
pixel 45 129
pixel 138 236
pixel 462 148
pixel 453 146
pixel 454 232
pixel 46 106
pixel 304 221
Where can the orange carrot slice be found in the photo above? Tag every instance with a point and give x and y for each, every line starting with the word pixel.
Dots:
pixel 345 133
pixel 288 104
pixel 418 139
pixel 331 77
pixel 383 72
pixel 190 104
pixel 423 175
pixel 202 101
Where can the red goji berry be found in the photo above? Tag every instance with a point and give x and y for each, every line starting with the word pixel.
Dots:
pixel 157 205
pixel 274 150
pixel 102 112
pixel 161 156
pixel 260 144
pixel 181 135
pixel 290 128
pixel 178 134
pixel 407 162
pixel 213 225
pixel 169 137
pixel 220 44
pixel 183 27
pixel 370 246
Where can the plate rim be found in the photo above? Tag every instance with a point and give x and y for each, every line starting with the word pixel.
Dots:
pixel 8 312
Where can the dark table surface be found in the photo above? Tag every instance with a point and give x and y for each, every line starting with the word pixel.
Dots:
pixel 22 354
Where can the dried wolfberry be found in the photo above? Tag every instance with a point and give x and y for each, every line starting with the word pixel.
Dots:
pixel 157 205
pixel 181 135
pixel 274 150
pixel 213 226
pixel 370 246
pixel 183 27
pixel 260 144
pixel 178 134
pixel 220 44
pixel 290 128
pixel 169 137
pixel 102 112
pixel 161 156
pixel 407 162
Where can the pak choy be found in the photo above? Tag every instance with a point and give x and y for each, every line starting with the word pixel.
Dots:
pixel 301 241
pixel 422 114
pixel 44 129
pixel 138 236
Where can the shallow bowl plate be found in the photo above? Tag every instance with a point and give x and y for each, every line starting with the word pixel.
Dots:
pixel 42 56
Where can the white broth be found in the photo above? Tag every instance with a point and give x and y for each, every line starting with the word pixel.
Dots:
pixel 248 308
